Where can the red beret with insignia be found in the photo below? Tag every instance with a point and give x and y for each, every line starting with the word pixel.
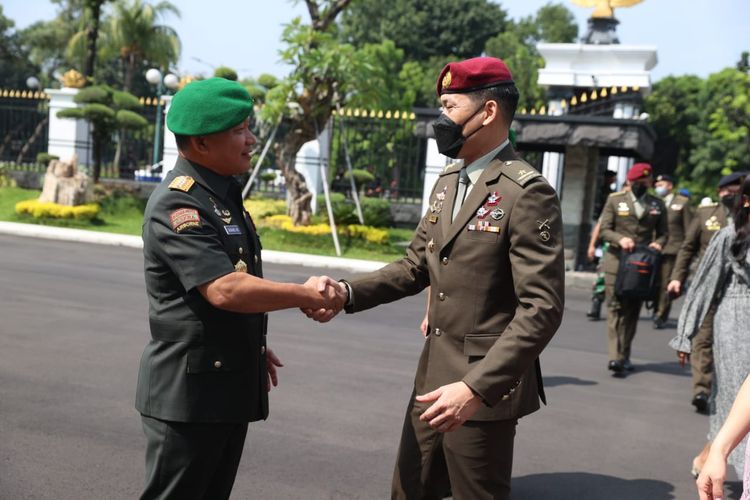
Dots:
pixel 473 74
pixel 639 171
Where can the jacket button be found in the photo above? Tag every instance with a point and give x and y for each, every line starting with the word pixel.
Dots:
pixel 441 296
pixel 217 364
pixel 241 250
pixel 445 261
pixel 438 332
pixel 255 259
pixel 262 349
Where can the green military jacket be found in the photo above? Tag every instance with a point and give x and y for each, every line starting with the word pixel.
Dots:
pixel 618 220
pixel 708 220
pixel 202 364
pixel 497 276
pixel 679 215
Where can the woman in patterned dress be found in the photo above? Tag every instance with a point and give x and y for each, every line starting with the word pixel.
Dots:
pixel 723 280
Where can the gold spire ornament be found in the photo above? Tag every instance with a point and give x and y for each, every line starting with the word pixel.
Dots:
pixel 73 79
pixel 605 8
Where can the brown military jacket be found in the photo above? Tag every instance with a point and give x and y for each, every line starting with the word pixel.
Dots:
pixel 497 276
pixel 618 220
pixel 706 223
pixel 679 215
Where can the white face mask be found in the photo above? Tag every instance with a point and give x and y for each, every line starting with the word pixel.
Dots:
pixel 662 191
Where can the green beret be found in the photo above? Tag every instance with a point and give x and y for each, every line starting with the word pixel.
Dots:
pixel 208 106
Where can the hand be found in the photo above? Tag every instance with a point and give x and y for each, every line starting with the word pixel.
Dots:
pixel 591 253
pixel 674 288
pixel 271 363
pixel 627 244
pixel 710 482
pixel 424 326
pixel 454 404
pixel 684 357
pixel 654 245
pixel 334 295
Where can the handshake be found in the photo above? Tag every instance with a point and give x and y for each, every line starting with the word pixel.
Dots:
pixel 328 298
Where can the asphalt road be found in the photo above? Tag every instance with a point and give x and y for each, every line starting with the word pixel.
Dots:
pixel 73 325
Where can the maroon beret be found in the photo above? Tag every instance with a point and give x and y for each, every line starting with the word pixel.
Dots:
pixel 473 74
pixel 639 171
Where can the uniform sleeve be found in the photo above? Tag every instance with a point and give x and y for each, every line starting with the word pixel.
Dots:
pixel 688 250
pixel 662 227
pixel 708 280
pixel 407 276
pixel 538 277
pixel 607 219
pixel 178 232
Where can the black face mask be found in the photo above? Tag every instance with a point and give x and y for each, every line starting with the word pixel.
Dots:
pixel 449 135
pixel 729 201
pixel 639 190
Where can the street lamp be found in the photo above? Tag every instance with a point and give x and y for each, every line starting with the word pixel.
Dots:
pixel 33 82
pixel 154 77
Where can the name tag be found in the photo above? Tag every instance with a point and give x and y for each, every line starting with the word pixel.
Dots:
pixel 233 229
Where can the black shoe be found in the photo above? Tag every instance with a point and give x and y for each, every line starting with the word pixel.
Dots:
pixel 700 401
pixel 616 366
pixel 595 312
pixel 627 365
pixel 660 323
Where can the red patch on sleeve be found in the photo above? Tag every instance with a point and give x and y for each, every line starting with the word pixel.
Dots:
pixel 184 218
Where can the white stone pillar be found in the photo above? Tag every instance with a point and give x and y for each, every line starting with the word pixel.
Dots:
pixel 169 146
pixel 552 169
pixel 434 164
pixel 67 136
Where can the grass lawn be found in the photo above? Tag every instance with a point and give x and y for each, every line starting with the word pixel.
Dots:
pixel 124 215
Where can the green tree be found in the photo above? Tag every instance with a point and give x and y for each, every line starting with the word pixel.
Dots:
pixel 424 28
pixel 721 138
pixel 673 108
pixel 15 66
pixel 325 73
pixel 552 23
pixel 107 111
pixel 133 32
pixel 93 18
pixel 47 41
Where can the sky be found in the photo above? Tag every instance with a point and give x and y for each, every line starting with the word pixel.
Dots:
pixel 691 37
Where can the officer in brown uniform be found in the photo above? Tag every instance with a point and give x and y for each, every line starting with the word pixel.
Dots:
pixel 629 218
pixel 491 249
pixel 679 215
pixel 709 219
pixel 206 371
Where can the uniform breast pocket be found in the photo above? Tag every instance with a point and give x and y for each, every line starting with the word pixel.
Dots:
pixel 483 236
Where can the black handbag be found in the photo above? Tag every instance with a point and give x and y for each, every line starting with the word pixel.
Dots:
pixel 638 274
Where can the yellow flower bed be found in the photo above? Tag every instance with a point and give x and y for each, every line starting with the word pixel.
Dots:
pixel 39 210
pixel 367 233
pixel 264 207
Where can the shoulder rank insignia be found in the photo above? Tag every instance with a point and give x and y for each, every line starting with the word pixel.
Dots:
pixel 184 218
pixel 182 183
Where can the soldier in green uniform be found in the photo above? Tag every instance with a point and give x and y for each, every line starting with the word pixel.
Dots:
pixel 491 249
pixel 629 218
pixel 679 215
pixel 206 371
pixel 709 219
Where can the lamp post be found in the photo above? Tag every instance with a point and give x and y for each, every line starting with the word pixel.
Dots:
pixel 170 81
pixel 33 83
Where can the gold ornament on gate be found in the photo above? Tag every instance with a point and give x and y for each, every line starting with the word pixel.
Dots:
pixel 605 8
pixel 73 79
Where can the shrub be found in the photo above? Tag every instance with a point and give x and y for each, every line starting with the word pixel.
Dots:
pixel 226 72
pixel 260 208
pixel 45 158
pixel 353 231
pixel 376 212
pixel 361 176
pixel 268 176
pixel 39 210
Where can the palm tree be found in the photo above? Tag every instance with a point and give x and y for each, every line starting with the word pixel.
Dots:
pixel 133 31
